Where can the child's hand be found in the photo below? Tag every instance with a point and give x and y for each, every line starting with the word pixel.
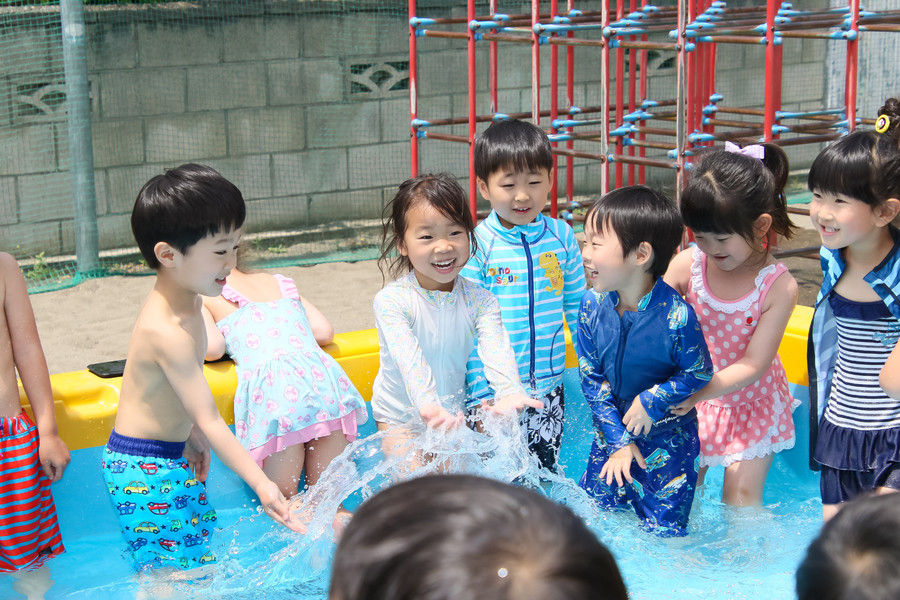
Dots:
pixel 510 405
pixel 196 453
pixel 54 456
pixel 685 407
pixel 275 505
pixel 636 419
pixel 437 417
pixel 618 466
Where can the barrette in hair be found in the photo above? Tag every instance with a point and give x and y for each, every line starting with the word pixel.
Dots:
pixel 754 151
pixel 882 124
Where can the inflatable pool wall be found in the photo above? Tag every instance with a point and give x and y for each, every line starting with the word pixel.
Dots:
pixel 86 404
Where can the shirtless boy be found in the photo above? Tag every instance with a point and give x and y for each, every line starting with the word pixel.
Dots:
pixel 187 223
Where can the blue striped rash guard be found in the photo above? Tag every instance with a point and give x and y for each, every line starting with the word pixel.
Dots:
pixel 537 274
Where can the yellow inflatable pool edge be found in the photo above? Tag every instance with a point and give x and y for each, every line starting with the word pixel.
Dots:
pixel 86 404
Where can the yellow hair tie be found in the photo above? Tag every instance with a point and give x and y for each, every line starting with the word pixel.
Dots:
pixel 882 124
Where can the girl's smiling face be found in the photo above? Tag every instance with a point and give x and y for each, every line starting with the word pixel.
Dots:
pixel 843 221
pixel 436 246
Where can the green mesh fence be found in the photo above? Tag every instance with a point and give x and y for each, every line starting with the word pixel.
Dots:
pixel 304 105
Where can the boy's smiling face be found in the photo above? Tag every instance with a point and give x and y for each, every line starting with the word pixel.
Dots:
pixel 205 265
pixel 517 198
pixel 605 261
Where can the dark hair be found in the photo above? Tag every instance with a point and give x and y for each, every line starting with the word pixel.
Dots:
pixel 864 165
pixel 638 214
pixel 443 193
pixel 515 144
pixel 182 206
pixel 461 537
pixel 856 555
pixel 728 191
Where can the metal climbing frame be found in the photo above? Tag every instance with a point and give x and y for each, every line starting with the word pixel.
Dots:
pixel 635 131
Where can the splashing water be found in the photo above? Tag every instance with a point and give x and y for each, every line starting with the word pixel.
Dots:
pixel 280 562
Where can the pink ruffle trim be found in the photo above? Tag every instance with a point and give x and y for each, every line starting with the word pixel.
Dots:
pixel 346 424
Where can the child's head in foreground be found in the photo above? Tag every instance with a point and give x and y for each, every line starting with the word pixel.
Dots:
pixel 183 206
pixel 737 193
pixel 460 537
pixel 429 224
pixel 858 173
pixel 856 555
pixel 630 229
pixel 513 164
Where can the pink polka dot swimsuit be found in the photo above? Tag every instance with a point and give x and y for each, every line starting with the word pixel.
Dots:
pixel 754 421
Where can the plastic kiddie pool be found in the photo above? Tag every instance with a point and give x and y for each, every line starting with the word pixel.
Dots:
pixel 728 554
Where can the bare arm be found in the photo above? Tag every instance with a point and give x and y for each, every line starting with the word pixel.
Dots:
pixel 321 327
pixel 31 364
pixel 889 378
pixel 215 341
pixel 678 275
pixel 182 369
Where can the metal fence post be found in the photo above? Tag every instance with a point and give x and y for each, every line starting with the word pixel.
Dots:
pixel 81 151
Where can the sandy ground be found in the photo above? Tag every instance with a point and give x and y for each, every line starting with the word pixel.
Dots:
pixel 92 321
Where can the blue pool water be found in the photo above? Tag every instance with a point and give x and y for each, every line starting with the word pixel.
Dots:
pixel 728 554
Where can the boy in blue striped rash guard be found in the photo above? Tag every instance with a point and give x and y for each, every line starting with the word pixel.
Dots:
pixel 533 265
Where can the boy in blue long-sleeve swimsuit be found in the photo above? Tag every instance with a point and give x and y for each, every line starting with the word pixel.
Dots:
pixel 533 266
pixel 640 352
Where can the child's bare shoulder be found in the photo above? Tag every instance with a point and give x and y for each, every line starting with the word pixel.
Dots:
pixel 158 327
pixel 8 268
pixel 678 274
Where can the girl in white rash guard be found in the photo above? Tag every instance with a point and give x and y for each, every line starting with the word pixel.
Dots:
pixel 429 319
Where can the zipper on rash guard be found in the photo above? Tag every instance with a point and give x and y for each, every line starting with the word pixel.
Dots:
pixel 532 333
pixel 624 330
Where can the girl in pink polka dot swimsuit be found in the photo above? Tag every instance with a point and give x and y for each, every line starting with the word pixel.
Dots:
pixel 734 205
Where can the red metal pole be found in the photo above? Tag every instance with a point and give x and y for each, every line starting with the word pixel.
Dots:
pixel 570 102
pixel 852 65
pixel 604 100
pixel 620 97
pixel 473 187
pixel 690 72
pixel 493 63
pixel 770 107
pixel 632 92
pixel 642 152
pixel 554 111
pixel 535 64
pixel 413 95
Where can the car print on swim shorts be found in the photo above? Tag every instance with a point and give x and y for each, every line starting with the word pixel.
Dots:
pixel 158 508
pixel 136 487
pixel 146 527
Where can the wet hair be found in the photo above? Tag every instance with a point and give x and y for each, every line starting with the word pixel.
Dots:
pixel 856 555
pixel 461 537
pixel 728 191
pixel 515 144
pixel 638 214
pixel 863 165
pixel 443 193
pixel 182 206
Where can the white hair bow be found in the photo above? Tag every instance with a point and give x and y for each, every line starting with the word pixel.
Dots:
pixel 754 151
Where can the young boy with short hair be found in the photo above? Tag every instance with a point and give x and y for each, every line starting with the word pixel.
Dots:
pixel 533 265
pixel 187 223
pixel 640 352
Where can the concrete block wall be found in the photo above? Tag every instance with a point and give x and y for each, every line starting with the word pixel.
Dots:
pixel 277 97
